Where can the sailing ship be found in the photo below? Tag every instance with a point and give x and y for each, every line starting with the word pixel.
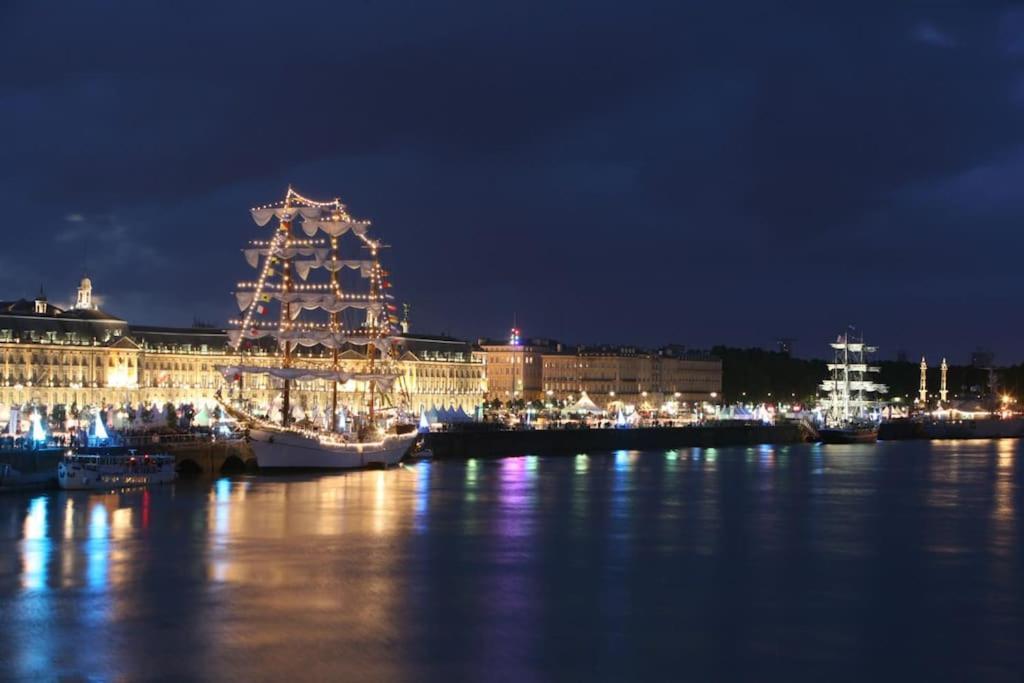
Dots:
pixel 850 391
pixel 287 305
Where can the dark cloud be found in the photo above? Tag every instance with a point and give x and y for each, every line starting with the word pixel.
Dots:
pixel 607 171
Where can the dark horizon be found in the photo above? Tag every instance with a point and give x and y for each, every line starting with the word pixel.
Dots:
pixel 615 174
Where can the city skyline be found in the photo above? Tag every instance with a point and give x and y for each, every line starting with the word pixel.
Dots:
pixel 589 172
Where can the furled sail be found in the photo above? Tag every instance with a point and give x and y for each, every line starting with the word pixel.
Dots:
pixel 335 227
pixel 304 374
pixel 252 256
pixel 326 338
pixel 262 216
pixel 364 267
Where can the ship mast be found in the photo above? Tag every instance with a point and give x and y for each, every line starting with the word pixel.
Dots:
pixel 850 385
pixel 373 320
pixel 335 329
pixel 285 230
pixel 284 276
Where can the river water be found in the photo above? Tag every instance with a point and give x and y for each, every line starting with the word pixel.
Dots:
pixel 895 561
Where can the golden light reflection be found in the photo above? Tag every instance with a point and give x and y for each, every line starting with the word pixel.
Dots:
pixel 379 504
pixel 1003 510
pixel 69 518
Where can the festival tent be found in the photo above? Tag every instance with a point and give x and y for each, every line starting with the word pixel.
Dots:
pixel 584 405
pixel 202 418
pixel 453 416
pixel 99 431
pixel 38 431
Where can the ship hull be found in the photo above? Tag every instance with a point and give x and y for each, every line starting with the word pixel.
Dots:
pixel 848 435
pixel 280 450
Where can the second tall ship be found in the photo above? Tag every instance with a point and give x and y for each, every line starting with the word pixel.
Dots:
pixel 850 393
pixel 286 304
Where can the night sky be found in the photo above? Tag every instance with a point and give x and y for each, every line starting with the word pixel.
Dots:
pixel 622 173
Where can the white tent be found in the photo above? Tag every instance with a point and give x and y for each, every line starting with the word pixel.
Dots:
pixel 584 405
pixel 202 418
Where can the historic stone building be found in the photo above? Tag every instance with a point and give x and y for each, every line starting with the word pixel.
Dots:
pixel 514 369
pixel 542 369
pixel 86 356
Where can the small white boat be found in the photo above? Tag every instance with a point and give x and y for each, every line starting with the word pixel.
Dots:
pixel 277 449
pixel 87 471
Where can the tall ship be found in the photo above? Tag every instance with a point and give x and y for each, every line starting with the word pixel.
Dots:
pixel 850 393
pixel 310 295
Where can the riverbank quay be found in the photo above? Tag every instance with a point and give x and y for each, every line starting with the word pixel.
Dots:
pixel 500 443
pixel 901 430
pixel 22 470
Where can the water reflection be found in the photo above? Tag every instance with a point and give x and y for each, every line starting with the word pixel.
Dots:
pixel 36 546
pixel 422 505
pixel 620 566
pixel 97 548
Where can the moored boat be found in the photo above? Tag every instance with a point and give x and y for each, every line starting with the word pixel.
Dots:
pixel 285 304
pixel 848 416
pixel 112 470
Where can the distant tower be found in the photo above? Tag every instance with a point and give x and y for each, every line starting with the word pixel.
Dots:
pixel 923 391
pixel 785 345
pixel 405 318
pixel 41 301
pixel 84 294
pixel 942 387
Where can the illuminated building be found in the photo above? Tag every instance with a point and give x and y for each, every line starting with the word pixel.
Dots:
pixel 86 356
pixel 514 369
pixel 542 369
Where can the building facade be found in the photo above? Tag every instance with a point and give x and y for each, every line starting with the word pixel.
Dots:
pixel 545 370
pixel 85 356
pixel 514 369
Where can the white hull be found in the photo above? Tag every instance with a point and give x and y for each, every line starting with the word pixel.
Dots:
pixel 280 449
pixel 85 476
